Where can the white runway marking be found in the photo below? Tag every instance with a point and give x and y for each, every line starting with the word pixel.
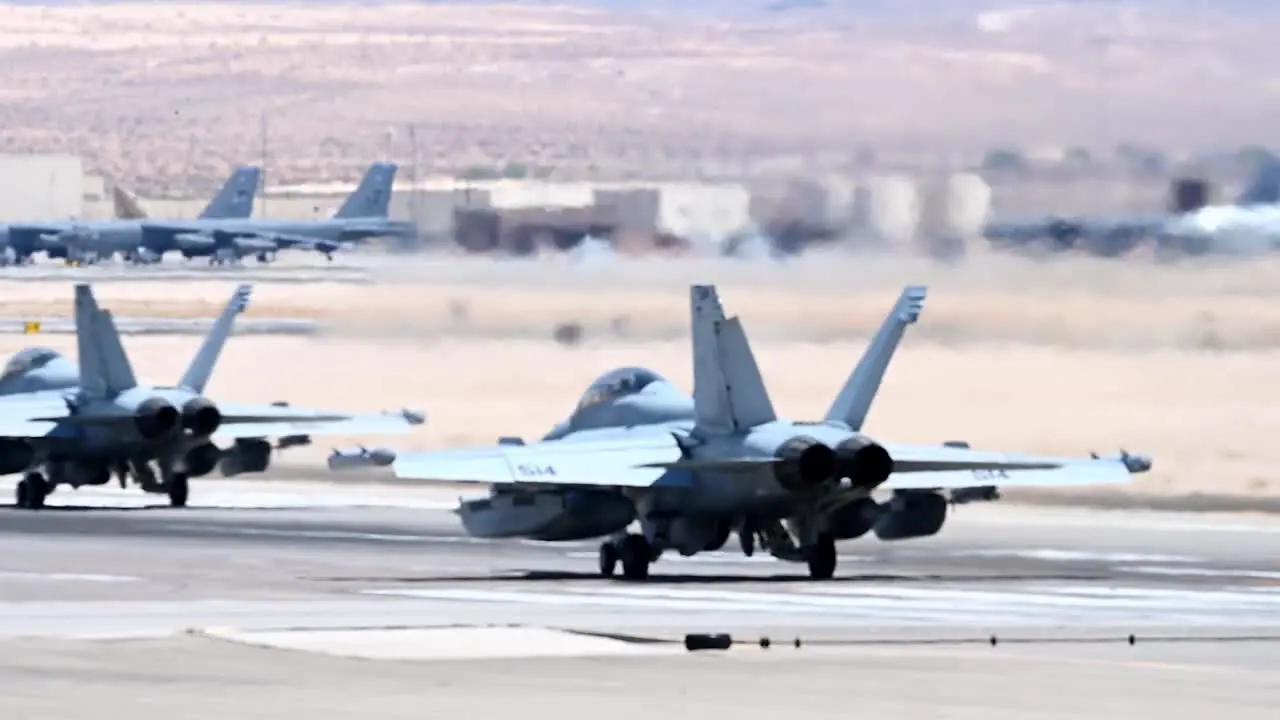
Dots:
pixel 887 604
pixel 64 577
pixel 242 495
pixel 1203 572
pixel 1051 555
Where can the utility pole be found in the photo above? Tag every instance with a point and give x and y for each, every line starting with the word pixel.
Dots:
pixel 413 174
pixel 262 189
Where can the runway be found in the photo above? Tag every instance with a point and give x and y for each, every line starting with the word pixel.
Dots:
pixel 254 563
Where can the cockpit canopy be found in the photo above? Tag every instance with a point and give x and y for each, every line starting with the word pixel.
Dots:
pixel 617 383
pixel 29 359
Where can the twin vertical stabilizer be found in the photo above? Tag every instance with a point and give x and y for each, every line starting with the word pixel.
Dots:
pixel 729 393
pixel 105 370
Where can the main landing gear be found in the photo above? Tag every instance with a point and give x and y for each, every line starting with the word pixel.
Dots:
pixel 633 551
pixel 31 491
pixel 821 557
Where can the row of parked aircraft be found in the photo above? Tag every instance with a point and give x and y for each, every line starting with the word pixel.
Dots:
pixel 690 469
pixel 223 232
pixel 1249 225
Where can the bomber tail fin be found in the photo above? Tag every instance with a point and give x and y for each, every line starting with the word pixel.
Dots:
pixel 1264 187
pixel 234 200
pixel 104 366
pixel 728 392
pixel 854 400
pixel 196 378
pixel 372 197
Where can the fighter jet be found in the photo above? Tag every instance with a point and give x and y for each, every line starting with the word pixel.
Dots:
pixel 694 469
pixel 362 216
pixel 66 425
pixel 91 241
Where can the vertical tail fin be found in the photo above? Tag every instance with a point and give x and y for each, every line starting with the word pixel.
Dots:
pixel 104 366
pixel 1264 188
pixel 372 197
pixel 854 400
pixel 234 200
pixel 728 391
pixel 126 204
pixel 196 378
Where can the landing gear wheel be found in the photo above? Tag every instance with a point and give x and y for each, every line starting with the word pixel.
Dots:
pixel 822 558
pixel 178 489
pixel 608 558
pixel 31 491
pixel 636 555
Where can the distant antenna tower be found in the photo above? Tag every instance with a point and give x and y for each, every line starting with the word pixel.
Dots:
pixel 262 188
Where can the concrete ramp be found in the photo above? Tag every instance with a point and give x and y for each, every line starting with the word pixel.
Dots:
pixel 446 643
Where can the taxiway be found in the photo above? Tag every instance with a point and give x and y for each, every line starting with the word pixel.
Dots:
pixel 318 600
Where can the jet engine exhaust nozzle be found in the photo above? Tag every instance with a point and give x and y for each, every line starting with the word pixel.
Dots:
pixel 866 463
pixel 156 418
pixel 201 417
pixel 805 463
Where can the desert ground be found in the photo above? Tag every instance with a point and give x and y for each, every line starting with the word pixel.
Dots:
pixel 1069 358
pixel 170 99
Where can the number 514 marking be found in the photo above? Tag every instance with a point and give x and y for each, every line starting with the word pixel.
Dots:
pixel 991 474
pixel 536 470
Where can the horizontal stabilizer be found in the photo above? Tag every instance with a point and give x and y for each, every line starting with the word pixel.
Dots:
pixel 619 462
pixel 1074 473
pixel 261 421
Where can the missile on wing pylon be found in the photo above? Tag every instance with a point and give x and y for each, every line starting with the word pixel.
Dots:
pixel 361 458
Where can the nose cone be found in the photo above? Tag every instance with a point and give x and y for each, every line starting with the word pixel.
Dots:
pixel 1138 463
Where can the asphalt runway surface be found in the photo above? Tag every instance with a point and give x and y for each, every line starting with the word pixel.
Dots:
pixel 320 600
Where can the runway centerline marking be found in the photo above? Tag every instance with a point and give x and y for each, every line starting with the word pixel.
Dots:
pixel 886 604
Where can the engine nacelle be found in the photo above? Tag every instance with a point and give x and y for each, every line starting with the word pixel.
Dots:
pixel 254 245
pixel 156 418
pixel 805 463
pixel 246 456
pixel 866 463
pixel 912 515
pixel 202 459
pixel 15 456
pixel 854 519
pixel 192 242
pixel 548 516
pixel 201 417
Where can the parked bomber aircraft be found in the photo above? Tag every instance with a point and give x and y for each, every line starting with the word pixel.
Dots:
pixel 362 216
pixel 1248 226
pixel 93 240
pixel 66 425
pixel 694 469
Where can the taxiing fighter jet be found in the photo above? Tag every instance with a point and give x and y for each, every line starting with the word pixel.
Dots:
pixel 66 425
pixel 694 469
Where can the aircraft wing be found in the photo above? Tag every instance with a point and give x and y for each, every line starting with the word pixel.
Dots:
pixel 636 462
pixel 31 415
pixel 929 467
pixel 261 421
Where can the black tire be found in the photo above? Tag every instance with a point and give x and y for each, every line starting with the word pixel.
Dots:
pixel 22 494
pixel 608 559
pixel 822 558
pixel 179 488
pixel 636 556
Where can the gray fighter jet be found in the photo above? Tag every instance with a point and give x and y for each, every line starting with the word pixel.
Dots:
pixel 362 216
pixel 94 240
pixel 694 469
pixel 66 425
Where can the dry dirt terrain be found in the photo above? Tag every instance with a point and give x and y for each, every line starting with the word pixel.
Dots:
pixel 1062 359
pixel 151 94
